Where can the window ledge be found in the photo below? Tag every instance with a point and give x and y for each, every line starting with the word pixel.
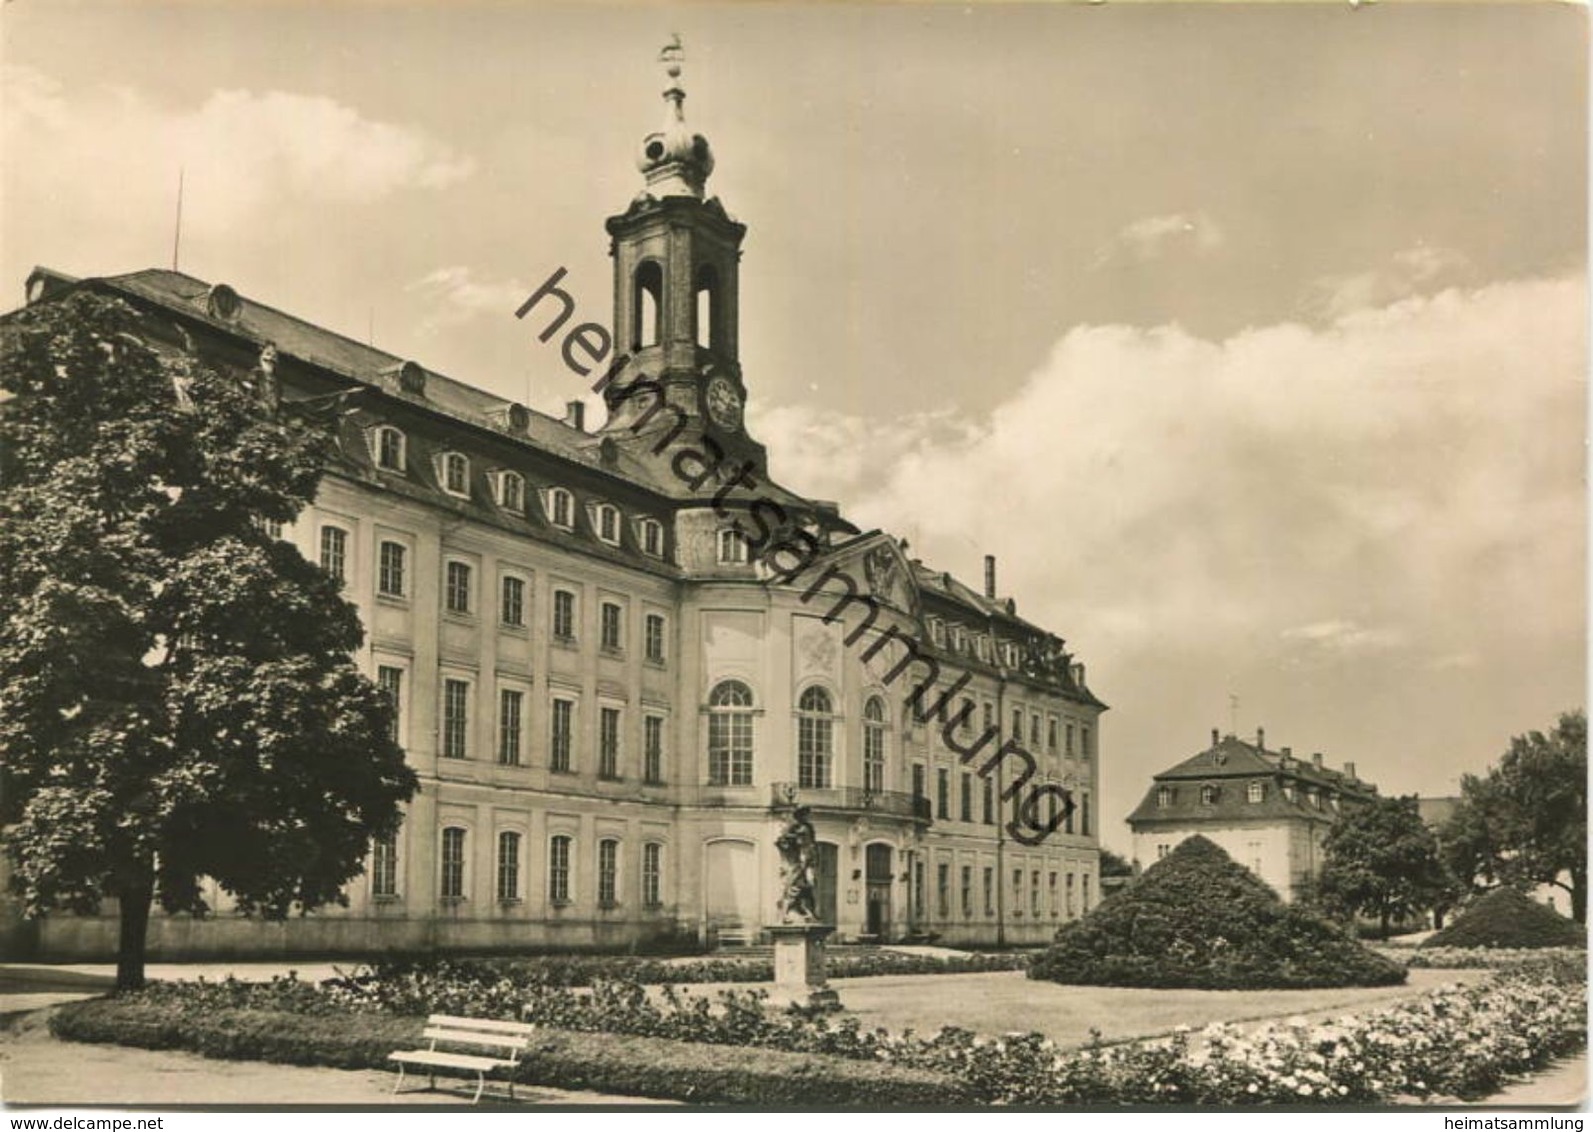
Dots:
pixel 657 662
pixel 386 898
pixel 561 903
pixel 392 599
pixel 564 770
pixel 613 652
pixel 564 642
pixel 509 901
pixel 453 900
pixel 611 778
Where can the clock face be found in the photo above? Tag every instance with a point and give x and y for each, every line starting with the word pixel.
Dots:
pixel 724 403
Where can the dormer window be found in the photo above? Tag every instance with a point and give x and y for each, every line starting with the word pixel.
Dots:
pixel 982 647
pixel 387 448
pixel 1164 797
pixel 1333 800
pixel 608 523
pixel 1255 793
pixel 561 508
pixel 1315 799
pixel 1208 795
pixel 652 538
pixel 959 639
pixel 454 472
pixel 732 547
pixel 937 631
pixel 511 491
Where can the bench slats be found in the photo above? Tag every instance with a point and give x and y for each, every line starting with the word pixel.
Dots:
pixel 454 1022
pixel 462 1038
pixel 443 1057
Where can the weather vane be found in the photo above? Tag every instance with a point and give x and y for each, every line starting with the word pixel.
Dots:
pixel 672 55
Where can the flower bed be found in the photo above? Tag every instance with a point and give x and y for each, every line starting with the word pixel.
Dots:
pixel 1456 958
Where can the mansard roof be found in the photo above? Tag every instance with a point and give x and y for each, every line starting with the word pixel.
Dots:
pixel 1229 765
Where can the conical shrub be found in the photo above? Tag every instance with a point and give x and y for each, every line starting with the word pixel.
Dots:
pixel 1198 919
pixel 1507 917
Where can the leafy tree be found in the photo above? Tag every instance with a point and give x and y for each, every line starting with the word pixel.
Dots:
pixel 177 698
pixel 1114 866
pixel 1382 860
pixel 1524 822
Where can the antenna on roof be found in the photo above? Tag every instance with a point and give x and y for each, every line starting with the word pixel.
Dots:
pixel 177 236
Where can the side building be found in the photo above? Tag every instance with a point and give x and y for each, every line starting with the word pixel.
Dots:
pixel 621 656
pixel 1269 810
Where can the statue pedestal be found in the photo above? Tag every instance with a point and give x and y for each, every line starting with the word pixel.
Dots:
pixel 799 978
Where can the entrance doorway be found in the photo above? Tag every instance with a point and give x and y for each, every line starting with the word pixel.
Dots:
pixel 878 871
pixel 826 859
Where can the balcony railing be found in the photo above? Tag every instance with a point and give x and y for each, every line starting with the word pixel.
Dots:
pixel 853 800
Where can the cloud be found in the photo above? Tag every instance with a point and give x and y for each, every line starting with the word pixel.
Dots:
pixel 455 296
pixel 245 155
pixel 1288 487
pixel 1152 237
pixel 1420 269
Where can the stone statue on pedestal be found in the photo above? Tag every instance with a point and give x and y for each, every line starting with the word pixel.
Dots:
pixel 798 853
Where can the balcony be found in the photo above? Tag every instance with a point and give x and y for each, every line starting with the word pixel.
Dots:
pixel 853 800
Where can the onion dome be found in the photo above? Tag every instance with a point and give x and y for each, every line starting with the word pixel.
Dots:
pixel 676 161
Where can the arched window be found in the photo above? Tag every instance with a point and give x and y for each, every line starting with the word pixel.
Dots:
pixel 455 474
pixel 730 734
pixel 815 739
pixel 508 866
pixel 607 873
pixel 647 304
pixel 874 745
pixel 389 449
pixel 559 869
pixel 511 491
pixel 453 863
pixel 732 547
pixel 608 523
pixel 707 300
pixel 561 508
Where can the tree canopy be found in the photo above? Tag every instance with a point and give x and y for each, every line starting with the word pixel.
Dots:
pixel 1382 860
pixel 1524 822
pixel 178 697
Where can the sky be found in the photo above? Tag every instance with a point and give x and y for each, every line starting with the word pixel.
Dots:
pixel 1251 339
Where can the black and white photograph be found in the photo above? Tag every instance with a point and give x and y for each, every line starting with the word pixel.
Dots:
pixel 858 556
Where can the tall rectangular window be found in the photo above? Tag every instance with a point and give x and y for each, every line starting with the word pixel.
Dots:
pixel 608 743
pixel 1017 891
pixel 1069 751
pixel 510 706
pixel 918 780
pixel 918 889
pixel 1084 814
pixel 1067 883
pixel 508 866
pixel 966 812
pixel 612 636
pixel 390 569
pixel 655 638
pixel 384 866
pixel 391 682
pixel 559 870
pixel 1034 892
pixel 1034 731
pixel 989 808
pixel 1084 893
pixel 456 718
pixel 652 874
pixel 653 749
pixel 1051 893
pixel 457 588
pixel 943 890
pixel 453 864
pixel 942 793
pixel 607 873
pixel 1050 735
pixel 1086 748
pixel 511 610
pixel 334 552
pixel 563 735
pixel 1016 734
pixel 564 615
pixel 990 891
pixel 967 892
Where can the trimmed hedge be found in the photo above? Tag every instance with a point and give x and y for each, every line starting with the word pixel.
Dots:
pixel 583 970
pixel 1507 917
pixel 1199 920
pixel 619 1064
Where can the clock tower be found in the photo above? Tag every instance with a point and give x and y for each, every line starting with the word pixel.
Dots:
pixel 676 257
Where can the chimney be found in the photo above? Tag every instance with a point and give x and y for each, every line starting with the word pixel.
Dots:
pixel 1261 738
pixel 990 576
pixel 575 415
pixel 1215 738
pixel 1349 770
pixel 1316 758
pixel 1287 751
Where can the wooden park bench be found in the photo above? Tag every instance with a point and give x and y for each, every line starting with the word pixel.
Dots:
pixel 475 1044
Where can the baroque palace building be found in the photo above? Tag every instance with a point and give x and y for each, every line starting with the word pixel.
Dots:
pixel 621 656
pixel 1269 810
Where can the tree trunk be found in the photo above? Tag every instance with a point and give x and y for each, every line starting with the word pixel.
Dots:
pixel 1579 895
pixel 1382 922
pixel 135 895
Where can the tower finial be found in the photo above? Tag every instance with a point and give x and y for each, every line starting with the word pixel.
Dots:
pixel 676 161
